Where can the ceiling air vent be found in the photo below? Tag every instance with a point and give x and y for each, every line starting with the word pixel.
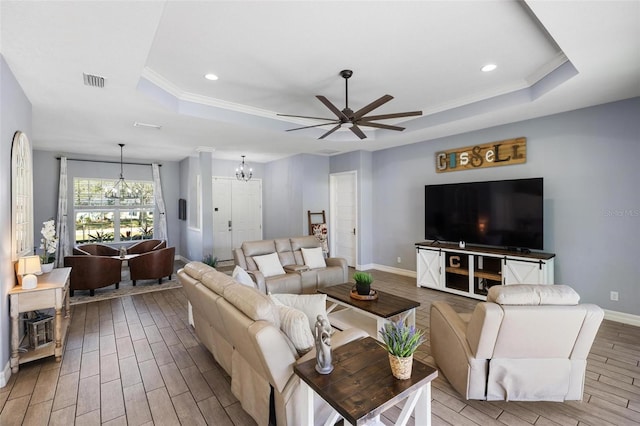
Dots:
pixel 93 80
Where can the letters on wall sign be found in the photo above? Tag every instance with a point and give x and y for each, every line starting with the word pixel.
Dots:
pixel 501 153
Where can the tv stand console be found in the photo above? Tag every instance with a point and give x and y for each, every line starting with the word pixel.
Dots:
pixel 470 271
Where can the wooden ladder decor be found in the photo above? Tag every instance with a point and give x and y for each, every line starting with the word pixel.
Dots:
pixel 318 228
pixel 315 219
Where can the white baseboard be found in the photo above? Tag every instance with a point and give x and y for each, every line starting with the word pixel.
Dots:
pixel 393 270
pixel 182 258
pixel 364 267
pixel 5 374
pixel 622 317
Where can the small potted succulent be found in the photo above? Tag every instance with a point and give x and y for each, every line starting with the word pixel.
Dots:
pixel 363 282
pixel 401 341
pixel 210 260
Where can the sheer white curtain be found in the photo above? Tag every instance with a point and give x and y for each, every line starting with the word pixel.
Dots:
pixel 61 226
pixel 160 231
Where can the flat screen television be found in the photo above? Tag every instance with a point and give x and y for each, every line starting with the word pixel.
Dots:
pixel 503 213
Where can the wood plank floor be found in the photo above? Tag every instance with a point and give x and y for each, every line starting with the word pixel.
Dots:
pixel 136 361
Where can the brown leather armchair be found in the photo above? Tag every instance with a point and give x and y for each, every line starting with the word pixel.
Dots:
pixel 96 249
pixel 154 264
pixel 146 246
pixel 91 272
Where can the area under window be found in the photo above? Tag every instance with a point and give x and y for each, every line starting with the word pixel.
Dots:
pixel 99 218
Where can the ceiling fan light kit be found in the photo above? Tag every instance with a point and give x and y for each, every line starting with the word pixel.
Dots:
pixel 348 119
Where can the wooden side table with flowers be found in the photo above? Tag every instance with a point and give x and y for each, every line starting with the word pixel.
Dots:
pixel 52 292
pixel 362 386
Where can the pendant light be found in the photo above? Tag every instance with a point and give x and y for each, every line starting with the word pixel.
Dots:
pixel 244 172
pixel 120 189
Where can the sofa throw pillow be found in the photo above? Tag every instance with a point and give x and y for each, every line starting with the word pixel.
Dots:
pixel 295 325
pixel 313 257
pixel 242 277
pixel 311 305
pixel 269 265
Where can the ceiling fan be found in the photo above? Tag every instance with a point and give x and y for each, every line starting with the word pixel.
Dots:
pixel 351 119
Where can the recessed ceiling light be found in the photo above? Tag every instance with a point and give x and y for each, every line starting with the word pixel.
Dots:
pixel 211 77
pixel 489 67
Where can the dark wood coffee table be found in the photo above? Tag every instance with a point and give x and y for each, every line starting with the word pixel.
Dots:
pixel 368 315
pixel 361 386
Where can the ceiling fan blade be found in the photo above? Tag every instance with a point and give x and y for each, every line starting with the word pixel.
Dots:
pixel 332 107
pixel 373 105
pixel 359 133
pixel 309 127
pixel 380 126
pixel 304 116
pixel 394 115
pixel 330 131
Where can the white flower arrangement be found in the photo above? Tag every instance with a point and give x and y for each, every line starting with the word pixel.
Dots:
pixel 49 241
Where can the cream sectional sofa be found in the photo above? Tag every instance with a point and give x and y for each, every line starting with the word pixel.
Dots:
pixel 240 326
pixel 298 278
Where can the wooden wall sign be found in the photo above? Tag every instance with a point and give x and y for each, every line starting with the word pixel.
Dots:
pixel 501 153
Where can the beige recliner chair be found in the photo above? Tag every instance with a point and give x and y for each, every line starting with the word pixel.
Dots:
pixel 525 343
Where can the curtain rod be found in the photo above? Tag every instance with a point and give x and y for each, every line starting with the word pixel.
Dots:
pixel 109 162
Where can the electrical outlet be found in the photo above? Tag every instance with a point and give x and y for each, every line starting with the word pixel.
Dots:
pixel 614 296
pixel 399 260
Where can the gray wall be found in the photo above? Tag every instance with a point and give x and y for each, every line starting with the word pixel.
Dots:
pixel 15 114
pixel 315 188
pixel 291 187
pixel 589 161
pixel 47 171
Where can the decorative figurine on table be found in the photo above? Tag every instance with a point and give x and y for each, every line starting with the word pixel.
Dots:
pixel 323 346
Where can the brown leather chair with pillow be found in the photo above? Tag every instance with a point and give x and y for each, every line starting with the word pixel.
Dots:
pixel 151 265
pixel 146 246
pixel 95 249
pixel 92 272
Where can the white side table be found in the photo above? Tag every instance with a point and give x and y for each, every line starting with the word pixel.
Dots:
pixel 52 292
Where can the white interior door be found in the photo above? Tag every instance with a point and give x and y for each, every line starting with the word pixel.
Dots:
pixel 237 214
pixel 343 208
pixel 246 211
pixel 222 220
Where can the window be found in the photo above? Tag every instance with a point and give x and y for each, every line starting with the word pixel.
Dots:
pixel 22 193
pixel 102 219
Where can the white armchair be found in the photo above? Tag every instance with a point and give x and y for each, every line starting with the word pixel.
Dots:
pixel 526 343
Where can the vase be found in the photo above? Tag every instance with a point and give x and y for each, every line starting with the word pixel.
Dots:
pixel 47 267
pixel 363 289
pixel 401 366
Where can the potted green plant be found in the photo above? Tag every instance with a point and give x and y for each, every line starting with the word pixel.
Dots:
pixel 363 282
pixel 401 342
pixel 210 260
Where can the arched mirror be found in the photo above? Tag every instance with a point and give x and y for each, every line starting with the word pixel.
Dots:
pixel 21 196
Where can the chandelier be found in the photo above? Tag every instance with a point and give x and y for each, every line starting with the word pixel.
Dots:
pixel 120 189
pixel 244 172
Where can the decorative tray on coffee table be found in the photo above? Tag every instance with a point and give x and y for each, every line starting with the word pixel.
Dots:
pixel 373 295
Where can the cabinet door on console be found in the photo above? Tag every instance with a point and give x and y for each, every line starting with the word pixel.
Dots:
pixel 429 268
pixel 524 272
